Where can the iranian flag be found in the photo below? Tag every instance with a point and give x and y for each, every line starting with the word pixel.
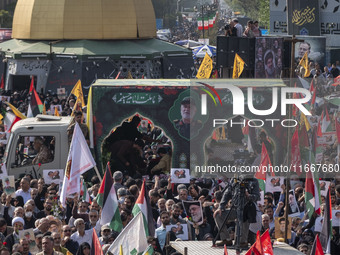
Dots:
pixel 206 23
pixel 200 24
pixel 211 21
pixel 107 199
pixel 312 196
pixel 143 205
pixel 325 124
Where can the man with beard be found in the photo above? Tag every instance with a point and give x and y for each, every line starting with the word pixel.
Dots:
pixel 269 64
pixel 175 213
pixel 93 223
pixel 161 231
pixel 47 209
pixel 129 202
pixel 187 122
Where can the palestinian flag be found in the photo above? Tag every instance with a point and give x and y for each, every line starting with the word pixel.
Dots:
pixel 107 199
pixel 143 205
pixel 317 247
pixel 325 122
pixel 312 195
pixel 32 85
pixel 84 194
pixel 96 247
pixel 326 231
pixel 36 106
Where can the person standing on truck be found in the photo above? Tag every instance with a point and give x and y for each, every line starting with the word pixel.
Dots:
pixel 78 117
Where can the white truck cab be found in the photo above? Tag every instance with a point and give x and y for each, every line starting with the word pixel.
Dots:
pixel 37 144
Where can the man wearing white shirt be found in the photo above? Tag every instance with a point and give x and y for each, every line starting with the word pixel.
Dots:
pixel 81 235
pixel 239 28
pixel 25 190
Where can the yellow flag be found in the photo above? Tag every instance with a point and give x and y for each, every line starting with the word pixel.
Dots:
pixel 223 133
pixel 305 64
pixel 68 253
pixel 129 75
pixel 44 109
pixel 78 92
pixel 238 66
pixel 16 111
pixel 206 67
pixel 303 119
pixel 121 250
pixel 56 113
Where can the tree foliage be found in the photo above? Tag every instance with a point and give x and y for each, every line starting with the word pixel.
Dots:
pixel 255 9
pixel 5 19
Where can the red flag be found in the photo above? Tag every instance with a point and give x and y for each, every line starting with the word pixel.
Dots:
pixel 314 97
pixel 214 74
pixel 96 247
pixel 319 132
pixel 266 243
pixel 311 88
pixel 265 161
pixel 337 127
pixel 295 153
pixel 225 250
pixel 258 244
pixel 336 81
pixel 2 85
pixel 32 85
pixel 317 247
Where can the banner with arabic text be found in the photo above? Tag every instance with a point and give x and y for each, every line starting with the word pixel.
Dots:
pixel 303 17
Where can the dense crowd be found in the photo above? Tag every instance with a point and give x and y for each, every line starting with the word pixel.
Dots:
pixel 141 152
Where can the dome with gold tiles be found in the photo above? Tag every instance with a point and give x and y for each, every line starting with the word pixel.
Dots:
pixel 83 19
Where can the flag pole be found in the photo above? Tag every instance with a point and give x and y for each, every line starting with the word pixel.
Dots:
pixel 289 133
pixel 97 172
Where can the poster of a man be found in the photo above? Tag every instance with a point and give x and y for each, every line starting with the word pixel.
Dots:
pixel 336 218
pixel 293 205
pixel 273 184
pixel 280 225
pixel 8 184
pixel 187 122
pixel 194 211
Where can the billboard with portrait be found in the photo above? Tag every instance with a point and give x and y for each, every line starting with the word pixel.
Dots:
pixel 315 47
pixel 268 57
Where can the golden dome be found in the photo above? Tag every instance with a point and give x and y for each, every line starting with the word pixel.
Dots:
pixel 83 19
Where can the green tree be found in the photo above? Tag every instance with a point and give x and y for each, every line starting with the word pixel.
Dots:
pixel 5 19
pixel 255 9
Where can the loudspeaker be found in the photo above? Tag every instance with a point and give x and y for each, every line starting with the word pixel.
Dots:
pixel 228 46
pixel 222 59
pixel 222 43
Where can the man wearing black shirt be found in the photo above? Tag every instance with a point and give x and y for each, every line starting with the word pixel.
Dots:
pixel 230 30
